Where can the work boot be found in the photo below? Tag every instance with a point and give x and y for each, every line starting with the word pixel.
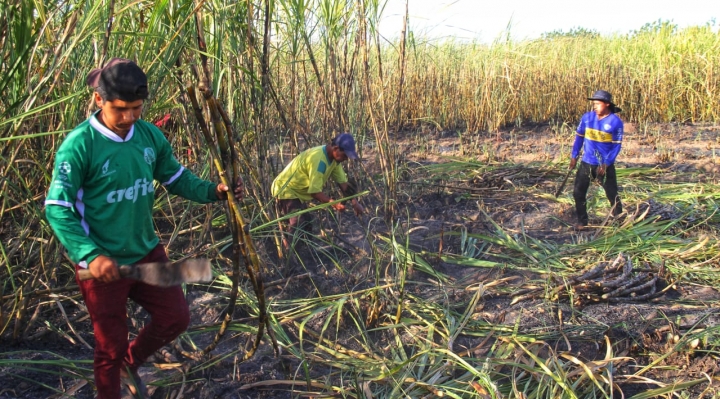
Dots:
pixel 134 384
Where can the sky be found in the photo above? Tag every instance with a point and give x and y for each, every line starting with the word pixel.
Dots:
pixel 485 20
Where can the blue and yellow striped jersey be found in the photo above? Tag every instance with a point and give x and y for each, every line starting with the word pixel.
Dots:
pixel 600 139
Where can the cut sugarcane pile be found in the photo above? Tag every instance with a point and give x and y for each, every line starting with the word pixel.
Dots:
pixel 616 281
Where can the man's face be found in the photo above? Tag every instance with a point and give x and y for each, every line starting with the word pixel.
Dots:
pixel 337 154
pixel 600 107
pixel 118 115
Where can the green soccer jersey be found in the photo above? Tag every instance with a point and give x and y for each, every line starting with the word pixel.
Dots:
pixel 101 196
pixel 307 174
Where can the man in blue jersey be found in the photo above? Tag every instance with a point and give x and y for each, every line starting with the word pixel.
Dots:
pixel 599 135
pixel 100 206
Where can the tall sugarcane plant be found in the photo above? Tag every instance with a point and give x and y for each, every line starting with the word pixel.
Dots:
pixel 227 164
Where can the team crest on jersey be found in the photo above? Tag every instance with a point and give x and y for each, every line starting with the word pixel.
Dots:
pixel 105 169
pixel 149 155
pixel 606 126
pixel 64 168
pixel 61 178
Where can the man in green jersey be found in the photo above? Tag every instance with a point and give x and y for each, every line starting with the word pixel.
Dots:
pixel 304 177
pixel 100 204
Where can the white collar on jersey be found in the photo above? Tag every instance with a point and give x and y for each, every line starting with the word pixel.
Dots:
pixel 95 123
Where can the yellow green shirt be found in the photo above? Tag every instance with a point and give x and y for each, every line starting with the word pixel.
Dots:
pixel 307 174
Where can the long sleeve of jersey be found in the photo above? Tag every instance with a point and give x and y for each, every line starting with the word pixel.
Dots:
pixel 179 180
pixel 62 210
pixel 579 138
pixel 191 187
pixel 67 227
pixel 577 146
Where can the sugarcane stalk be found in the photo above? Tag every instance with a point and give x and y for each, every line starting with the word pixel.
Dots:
pixel 243 245
pixel 592 273
pixel 627 271
pixel 242 242
pixel 650 283
pixel 251 171
pixel 650 295
pixel 623 289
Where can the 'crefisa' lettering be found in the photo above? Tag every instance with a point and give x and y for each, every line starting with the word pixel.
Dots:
pixel 141 187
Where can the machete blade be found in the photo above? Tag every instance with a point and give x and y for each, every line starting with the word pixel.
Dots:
pixel 168 274
pixel 562 185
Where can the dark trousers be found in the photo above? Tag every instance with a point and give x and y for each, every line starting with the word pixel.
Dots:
pixel 106 304
pixel 297 225
pixel 585 174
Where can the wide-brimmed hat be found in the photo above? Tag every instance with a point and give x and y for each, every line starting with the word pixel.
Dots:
pixel 346 142
pixel 606 97
pixel 120 79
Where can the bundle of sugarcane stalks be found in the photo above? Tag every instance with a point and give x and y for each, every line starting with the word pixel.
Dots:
pixel 616 281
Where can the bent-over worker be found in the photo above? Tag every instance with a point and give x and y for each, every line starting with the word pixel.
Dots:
pixel 305 176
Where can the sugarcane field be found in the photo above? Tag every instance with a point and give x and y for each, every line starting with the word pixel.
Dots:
pixel 273 199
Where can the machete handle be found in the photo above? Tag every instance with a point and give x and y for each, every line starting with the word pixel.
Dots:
pixel 84 274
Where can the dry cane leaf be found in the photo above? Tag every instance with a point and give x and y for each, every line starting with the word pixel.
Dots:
pixel 480 390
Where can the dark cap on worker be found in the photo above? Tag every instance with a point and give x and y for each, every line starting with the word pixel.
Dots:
pixel 120 79
pixel 602 95
pixel 346 142
pixel 606 97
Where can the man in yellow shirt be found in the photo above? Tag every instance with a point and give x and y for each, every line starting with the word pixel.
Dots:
pixel 304 178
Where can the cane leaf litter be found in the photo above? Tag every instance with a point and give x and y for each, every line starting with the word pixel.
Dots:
pixel 465 279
